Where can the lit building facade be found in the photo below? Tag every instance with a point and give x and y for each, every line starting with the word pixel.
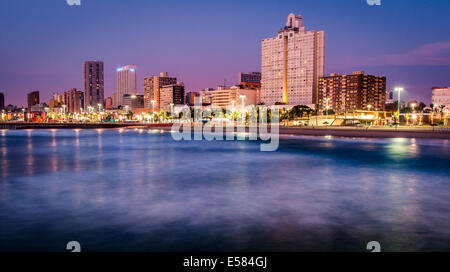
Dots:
pixel 171 94
pixel 74 100
pixel 152 87
pixel 133 101
pixel 94 87
pixel 109 103
pixel 126 83
pixel 441 97
pixel 291 64
pixel 233 97
pixel 357 91
pixel 206 95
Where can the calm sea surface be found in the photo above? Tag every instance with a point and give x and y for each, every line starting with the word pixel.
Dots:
pixel 139 190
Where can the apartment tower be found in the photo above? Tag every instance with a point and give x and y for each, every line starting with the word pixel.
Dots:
pixel 94 87
pixel 292 63
pixel 358 91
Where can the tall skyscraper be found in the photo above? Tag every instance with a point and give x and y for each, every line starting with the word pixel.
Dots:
pixel 292 63
pixel 357 91
pixel 2 101
pixel 94 87
pixel 126 83
pixel 152 86
pixel 73 100
pixel 33 99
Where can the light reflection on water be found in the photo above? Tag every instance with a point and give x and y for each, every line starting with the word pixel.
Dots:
pixel 138 190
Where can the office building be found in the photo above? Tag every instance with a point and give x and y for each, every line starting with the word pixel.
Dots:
pixel 133 101
pixel 93 84
pixel 357 91
pixel 441 97
pixel 291 64
pixel 190 98
pixel 171 95
pixel 73 100
pixel 152 87
pixel 33 99
pixel 250 80
pixel 126 83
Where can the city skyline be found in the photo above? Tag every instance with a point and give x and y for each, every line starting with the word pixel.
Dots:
pixel 219 49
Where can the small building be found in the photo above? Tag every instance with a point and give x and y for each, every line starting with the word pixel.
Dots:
pixel 441 97
pixel 171 95
pixel 133 101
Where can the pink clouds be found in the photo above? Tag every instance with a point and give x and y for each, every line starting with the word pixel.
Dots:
pixel 429 54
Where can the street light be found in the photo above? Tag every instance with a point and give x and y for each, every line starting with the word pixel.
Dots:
pixel 153 110
pixel 399 90
pixel 327 107
pixel 243 100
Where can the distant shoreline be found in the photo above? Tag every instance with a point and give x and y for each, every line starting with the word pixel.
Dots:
pixel 363 132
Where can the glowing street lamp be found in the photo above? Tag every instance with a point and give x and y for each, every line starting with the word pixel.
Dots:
pixel 242 97
pixel 153 110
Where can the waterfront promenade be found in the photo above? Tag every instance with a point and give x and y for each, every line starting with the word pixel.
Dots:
pixel 370 132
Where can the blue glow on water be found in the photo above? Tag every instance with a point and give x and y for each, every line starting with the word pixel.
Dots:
pixel 132 191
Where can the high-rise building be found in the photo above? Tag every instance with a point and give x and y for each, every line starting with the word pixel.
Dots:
pixel 73 100
pixel 152 86
pixel 94 87
pixel 441 97
pixel 2 101
pixel 33 99
pixel 171 94
pixel 126 83
pixel 291 64
pixel 357 91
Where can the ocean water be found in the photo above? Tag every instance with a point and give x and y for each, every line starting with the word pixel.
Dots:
pixel 139 190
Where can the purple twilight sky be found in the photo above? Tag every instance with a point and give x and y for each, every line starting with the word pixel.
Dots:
pixel 43 43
